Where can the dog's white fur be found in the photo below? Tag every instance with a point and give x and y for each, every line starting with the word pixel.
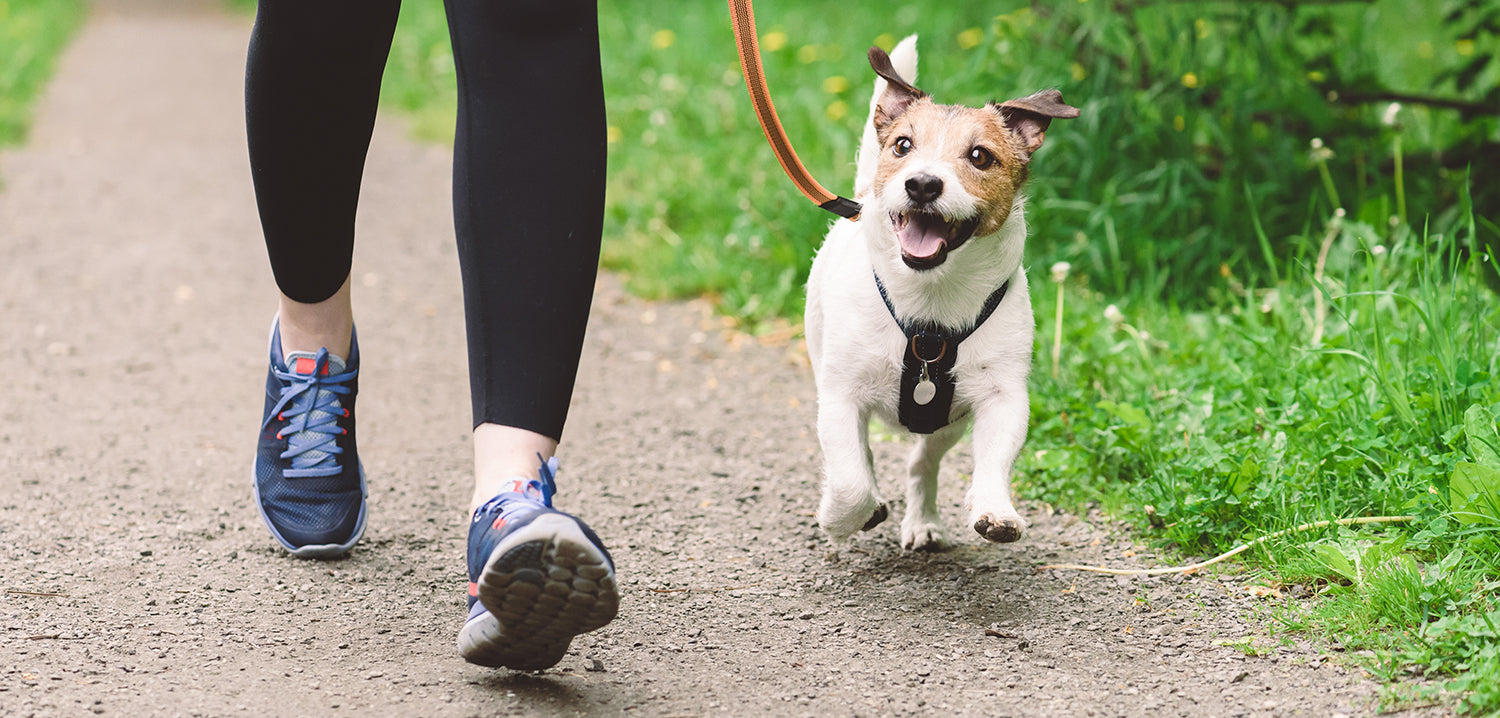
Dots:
pixel 856 349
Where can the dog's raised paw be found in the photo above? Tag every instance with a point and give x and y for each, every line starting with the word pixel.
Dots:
pixel 882 512
pixel 999 530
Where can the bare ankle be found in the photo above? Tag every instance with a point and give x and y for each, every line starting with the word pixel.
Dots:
pixel 328 324
pixel 503 453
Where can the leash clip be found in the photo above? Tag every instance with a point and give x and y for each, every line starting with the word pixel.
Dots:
pixel 743 17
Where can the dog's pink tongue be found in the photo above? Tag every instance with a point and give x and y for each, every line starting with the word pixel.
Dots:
pixel 922 237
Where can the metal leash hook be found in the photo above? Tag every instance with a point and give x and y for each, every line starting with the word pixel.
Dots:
pixel 743 17
pixel 925 389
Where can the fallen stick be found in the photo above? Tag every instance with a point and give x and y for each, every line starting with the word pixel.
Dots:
pixel 1232 552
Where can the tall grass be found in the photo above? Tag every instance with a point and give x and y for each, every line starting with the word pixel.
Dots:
pixel 32 34
pixel 1207 428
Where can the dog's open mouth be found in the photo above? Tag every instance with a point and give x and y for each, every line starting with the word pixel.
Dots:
pixel 927 238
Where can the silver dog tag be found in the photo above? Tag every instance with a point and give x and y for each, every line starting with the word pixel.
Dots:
pixel 924 391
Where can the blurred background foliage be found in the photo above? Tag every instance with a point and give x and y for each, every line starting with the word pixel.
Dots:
pixel 32 33
pixel 1195 156
pixel 1200 118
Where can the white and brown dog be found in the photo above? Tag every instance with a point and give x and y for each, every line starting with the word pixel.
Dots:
pixel 919 313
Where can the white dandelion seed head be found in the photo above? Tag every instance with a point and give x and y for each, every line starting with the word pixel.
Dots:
pixel 1389 117
pixel 1060 271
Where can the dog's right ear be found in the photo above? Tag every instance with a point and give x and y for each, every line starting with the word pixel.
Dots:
pixel 898 95
pixel 1029 116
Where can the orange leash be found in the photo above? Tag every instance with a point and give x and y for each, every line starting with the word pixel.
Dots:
pixel 743 17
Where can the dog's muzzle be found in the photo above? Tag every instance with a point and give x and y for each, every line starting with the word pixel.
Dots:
pixel 926 238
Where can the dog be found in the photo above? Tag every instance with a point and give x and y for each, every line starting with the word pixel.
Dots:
pixel 918 312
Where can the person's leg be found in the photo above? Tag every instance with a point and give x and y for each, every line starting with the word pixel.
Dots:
pixel 528 195
pixel 312 82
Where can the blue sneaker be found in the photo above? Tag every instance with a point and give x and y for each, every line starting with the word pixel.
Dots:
pixel 537 578
pixel 309 484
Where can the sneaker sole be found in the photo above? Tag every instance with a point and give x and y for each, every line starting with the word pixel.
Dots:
pixel 543 585
pixel 328 550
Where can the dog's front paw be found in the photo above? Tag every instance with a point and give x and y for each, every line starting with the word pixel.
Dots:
pixel 841 520
pixel 922 536
pixel 1000 530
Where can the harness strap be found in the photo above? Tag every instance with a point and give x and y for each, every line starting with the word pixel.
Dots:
pixel 927 383
pixel 743 17
pixel 991 303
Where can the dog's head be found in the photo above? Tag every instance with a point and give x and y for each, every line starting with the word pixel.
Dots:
pixel 947 173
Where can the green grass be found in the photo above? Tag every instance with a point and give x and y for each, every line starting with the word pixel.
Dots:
pixel 1234 422
pixel 1259 330
pixel 32 34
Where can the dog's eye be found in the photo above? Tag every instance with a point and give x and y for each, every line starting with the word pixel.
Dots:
pixel 981 158
pixel 903 146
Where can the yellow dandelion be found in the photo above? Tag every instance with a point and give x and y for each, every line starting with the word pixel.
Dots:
pixel 1464 47
pixel 836 110
pixel 836 84
pixel 614 134
pixel 773 41
pixel 663 39
pixel 1316 76
pixel 1077 72
pixel 1178 123
pixel 1190 80
pixel 885 41
pixel 807 54
pixel 970 38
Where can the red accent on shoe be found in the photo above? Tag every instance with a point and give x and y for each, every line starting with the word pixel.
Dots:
pixel 304 365
pixel 473 589
pixel 499 521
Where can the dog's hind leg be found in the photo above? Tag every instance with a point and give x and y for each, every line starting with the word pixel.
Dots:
pixel 921 528
pixel 999 432
pixel 851 501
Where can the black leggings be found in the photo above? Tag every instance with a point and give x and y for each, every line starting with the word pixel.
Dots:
pixel 528 174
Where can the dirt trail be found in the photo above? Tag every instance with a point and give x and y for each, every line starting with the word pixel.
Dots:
pixel 134 300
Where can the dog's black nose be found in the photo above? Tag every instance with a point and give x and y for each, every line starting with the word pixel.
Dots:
pixel 923 188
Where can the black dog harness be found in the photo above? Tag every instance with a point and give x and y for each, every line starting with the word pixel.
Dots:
pixel 927 382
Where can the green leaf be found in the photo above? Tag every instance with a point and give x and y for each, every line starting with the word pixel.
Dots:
pixel 1484 441
pixel 1126 413
pixel 1335 559
pixel 1382 551
pixel 1474 493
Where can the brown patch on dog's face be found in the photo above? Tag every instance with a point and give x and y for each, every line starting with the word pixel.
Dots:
pixel 987 158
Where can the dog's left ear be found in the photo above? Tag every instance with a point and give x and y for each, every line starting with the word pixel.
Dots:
pixel 899 94
pixel 1029 116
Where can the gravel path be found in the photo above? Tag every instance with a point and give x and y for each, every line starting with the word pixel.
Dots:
pixel 134 300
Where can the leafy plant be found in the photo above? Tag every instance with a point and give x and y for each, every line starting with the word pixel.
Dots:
pixel 32 34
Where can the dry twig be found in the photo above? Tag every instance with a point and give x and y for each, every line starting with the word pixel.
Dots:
pixel 1232 552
